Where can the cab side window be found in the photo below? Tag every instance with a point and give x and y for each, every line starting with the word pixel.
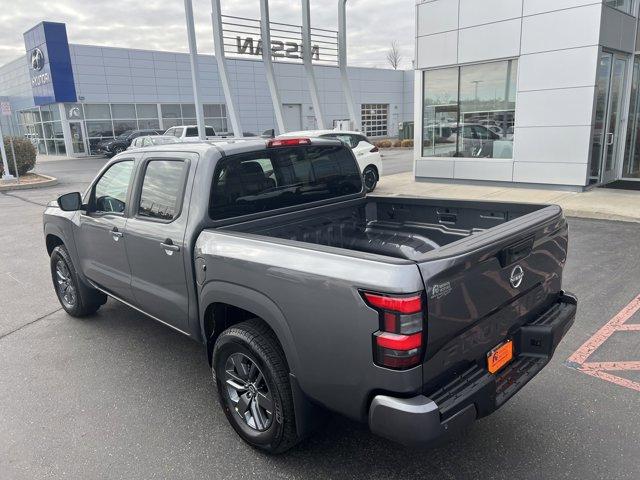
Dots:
pixel 111 190
pixel 162 189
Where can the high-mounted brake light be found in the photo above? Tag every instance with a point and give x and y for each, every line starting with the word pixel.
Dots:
pixel 398 343
pixel 288 142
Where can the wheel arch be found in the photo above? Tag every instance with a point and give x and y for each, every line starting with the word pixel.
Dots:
pixel 223 304
pixel 52 241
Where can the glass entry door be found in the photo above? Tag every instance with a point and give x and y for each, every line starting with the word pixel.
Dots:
pixel 608 136
pixel 631 164
pixel 77 138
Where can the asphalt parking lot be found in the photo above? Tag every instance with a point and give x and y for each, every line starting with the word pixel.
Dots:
pixel 119 396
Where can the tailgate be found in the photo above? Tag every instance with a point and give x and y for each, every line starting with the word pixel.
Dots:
pixel 483 288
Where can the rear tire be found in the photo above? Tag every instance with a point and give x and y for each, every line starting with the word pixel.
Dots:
pixel 370 177
pixel 252 377
pixel 77 299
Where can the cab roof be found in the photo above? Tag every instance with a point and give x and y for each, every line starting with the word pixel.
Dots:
pixel 224 147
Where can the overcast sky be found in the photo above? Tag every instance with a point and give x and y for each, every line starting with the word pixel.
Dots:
pixel 160 25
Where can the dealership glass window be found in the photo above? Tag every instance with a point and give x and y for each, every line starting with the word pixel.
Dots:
pixel 212 110
pixel 99 129
pixel 440 112
pixel 97 111
pixel 171 111
pixel 631 163
pixel 98 124
pixel 50 113
pixel 125 111
pixel 43 127
pixel 60 148
pixel 121 126
pixel 184 114
pixel 188 110
pixel 469 111
pixel 625 6
pixel 375 119
pixel 147 110
pixel 146 124
pixel 218 124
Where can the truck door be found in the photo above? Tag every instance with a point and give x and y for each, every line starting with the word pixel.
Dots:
pixel 155 239
pixel 100 233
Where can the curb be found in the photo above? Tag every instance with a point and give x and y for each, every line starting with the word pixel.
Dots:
pixel 47 182
pixel 575 213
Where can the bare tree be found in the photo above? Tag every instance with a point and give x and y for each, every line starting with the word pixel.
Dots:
pixel 393 55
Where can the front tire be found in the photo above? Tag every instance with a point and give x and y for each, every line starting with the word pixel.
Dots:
pixel 252 377
pixel 77 299
pixel 370 177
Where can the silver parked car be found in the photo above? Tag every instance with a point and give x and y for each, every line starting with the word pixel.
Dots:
pixel 150 140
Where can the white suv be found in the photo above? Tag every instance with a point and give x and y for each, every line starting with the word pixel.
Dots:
pixel 366 153
pixel 187 132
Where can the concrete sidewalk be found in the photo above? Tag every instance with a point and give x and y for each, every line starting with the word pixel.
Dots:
pixel 599 203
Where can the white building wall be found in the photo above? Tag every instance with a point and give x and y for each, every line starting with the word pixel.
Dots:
pixel 120 75
pixel 557 45
pixel 105 74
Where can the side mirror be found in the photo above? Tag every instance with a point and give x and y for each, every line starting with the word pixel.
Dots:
pixel 70 202
pixel 271 133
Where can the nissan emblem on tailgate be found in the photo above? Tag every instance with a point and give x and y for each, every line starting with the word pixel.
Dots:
pixel 517 274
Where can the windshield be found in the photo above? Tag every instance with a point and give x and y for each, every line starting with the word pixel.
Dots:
pixel 164 140
pixel 282 177
pixel 124 135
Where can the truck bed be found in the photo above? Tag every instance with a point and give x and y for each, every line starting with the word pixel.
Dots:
pixel 404 228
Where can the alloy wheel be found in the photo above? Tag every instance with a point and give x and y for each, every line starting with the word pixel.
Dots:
pixel 370 179
pixel 248 392
pixel 66 288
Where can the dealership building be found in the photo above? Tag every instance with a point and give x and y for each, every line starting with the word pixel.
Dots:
pixel 538 92
pixel 66 97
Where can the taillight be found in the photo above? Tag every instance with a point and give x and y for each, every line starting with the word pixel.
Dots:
pixel 288 142
pixel 373 150
pixel 398 343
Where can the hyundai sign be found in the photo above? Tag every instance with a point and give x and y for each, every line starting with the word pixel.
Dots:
pixel 49 63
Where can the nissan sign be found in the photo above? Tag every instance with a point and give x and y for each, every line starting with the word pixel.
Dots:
pixel 251 46
pixel 243 37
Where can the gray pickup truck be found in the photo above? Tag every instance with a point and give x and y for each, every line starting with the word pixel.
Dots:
pixel 416 316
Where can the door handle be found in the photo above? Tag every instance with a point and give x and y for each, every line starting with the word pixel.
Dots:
pixel 169 247
pixel 116 234
pixel 609 138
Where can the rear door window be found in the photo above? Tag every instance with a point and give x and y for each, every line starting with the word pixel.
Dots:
pixel 282 177
pixel 192 132
pixel 161 194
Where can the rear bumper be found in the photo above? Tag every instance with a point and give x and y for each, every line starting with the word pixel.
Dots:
pixel 423 419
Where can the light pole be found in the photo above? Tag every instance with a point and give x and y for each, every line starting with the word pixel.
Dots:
pixel 342 62
pixel 5 165
pixel 195 68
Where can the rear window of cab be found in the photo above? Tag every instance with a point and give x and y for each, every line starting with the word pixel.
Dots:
pixel 283 177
